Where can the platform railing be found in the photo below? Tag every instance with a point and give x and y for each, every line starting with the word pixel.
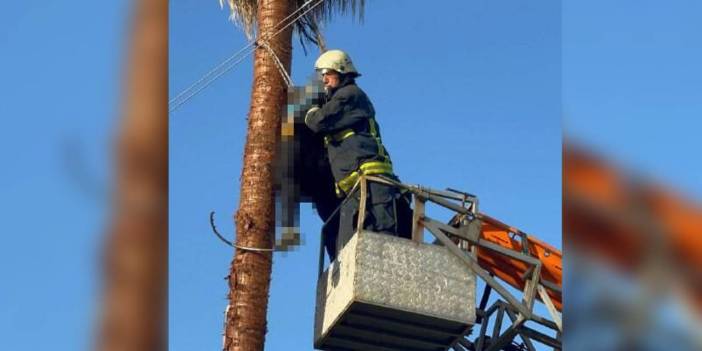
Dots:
pixel 463 239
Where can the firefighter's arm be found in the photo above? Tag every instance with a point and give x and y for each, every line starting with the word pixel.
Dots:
pixel 320 118
pixel 338 113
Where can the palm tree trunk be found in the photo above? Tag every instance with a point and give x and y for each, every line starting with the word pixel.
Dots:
pixel 250 275
pixel 136 251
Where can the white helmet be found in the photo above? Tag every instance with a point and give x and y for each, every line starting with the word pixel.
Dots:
pixel 336 60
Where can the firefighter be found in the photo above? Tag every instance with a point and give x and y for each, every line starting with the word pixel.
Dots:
pixel 352 138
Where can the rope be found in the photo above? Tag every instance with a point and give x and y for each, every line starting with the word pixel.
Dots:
pixel 225 66
pixel 214 229
pixel 253 248
pixel 278 64
pixel 205 81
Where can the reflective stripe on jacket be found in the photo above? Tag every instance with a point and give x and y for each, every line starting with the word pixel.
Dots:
pixel 352 136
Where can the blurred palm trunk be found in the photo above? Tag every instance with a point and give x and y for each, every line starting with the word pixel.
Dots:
pixel 250 275
pixel 136 252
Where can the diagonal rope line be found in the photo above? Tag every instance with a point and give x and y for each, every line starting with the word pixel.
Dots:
pixel 279 65
pixel 210 73
pixel 233 56
pixel 192 91
pixel 228 65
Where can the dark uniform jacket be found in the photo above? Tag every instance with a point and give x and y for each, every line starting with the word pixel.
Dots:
pixel 348 107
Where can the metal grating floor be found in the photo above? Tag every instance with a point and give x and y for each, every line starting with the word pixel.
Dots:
pixel 367 327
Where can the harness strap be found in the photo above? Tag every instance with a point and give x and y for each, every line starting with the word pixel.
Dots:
pixel 338 137
pixel 348 132
pixel 367 168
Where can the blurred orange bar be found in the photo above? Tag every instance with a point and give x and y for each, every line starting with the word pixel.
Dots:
pixel 626 222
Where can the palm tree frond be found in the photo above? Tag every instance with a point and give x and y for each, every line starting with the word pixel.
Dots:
pixel 309 28
pixel 243 14
pixel 326 10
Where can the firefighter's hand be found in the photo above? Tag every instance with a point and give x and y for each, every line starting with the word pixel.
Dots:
pixel 317 98
pixel 315 93
pixel 309 113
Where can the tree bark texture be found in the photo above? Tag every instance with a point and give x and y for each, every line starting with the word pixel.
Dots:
pixel 250 274
pixel 134 311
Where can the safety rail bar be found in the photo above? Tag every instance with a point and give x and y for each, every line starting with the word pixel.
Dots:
pixel 463 243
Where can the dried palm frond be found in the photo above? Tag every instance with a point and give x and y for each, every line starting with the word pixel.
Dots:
pixel 243 13
pixel 325 11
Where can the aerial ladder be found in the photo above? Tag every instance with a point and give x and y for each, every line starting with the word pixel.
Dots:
pixel 517 269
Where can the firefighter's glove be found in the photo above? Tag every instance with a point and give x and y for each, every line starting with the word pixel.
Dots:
pixel 309 114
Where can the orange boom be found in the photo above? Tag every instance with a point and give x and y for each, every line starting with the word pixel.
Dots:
pixel 513 271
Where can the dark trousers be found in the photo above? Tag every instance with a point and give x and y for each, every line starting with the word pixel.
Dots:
pixel 387 212
pixel 326 204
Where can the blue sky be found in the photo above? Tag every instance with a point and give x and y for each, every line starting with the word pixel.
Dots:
pixel 632 93
pixel 467 95
pixel 632 85
pixel 60 66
